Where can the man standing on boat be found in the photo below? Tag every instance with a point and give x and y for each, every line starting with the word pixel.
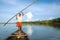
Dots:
pixel 19 20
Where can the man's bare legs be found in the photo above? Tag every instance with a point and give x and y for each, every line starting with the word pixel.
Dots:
pixel 19 28
pixel 19 32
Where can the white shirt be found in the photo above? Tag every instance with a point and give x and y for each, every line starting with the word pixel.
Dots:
pixel 19 18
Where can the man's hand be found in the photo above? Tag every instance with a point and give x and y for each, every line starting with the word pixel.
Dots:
pixel 22 14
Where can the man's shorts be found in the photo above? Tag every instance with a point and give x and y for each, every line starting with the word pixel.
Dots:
pixel 19 24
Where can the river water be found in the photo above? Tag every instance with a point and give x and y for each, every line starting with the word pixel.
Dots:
pixel 34 32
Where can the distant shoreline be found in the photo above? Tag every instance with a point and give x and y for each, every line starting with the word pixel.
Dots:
pixel 53 21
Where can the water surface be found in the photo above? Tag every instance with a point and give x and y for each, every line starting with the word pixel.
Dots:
pixel 34 32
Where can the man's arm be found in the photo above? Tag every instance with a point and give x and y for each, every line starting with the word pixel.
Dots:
pixel 17 16
pixel 22 14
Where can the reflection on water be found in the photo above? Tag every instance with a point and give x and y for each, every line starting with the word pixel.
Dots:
pixel 35 32
pixel 29 29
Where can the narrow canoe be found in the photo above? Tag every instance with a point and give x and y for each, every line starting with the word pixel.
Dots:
pixel 18 35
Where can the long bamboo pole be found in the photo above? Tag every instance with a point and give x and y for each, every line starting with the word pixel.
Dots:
pixel 21 11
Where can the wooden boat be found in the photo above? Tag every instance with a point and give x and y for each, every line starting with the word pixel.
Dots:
pixel 18 35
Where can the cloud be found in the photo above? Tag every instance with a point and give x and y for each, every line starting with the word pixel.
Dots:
pixel 29 16
pixel 40 11
pixel 12 2
pixel 50 18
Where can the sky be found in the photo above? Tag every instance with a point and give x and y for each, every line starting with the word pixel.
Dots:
pixel 41 10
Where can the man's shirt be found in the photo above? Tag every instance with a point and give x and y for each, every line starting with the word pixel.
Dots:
pixel 19 18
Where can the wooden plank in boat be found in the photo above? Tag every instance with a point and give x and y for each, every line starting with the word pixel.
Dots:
pixel 18 35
